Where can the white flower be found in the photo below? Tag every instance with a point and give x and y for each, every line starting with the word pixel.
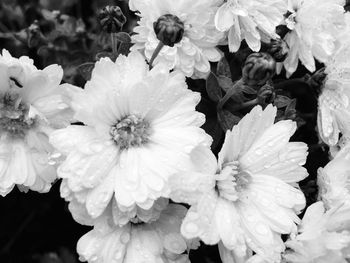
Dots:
pixel 32 104
pixel 140 128
pixel 119 217
pixel 245 200
pixel 334 101
pixel 323 237
pixel 334 112
pixel 198 45
pixel 252 20
pixel 158 242
pixel 314 27
pixel 334 180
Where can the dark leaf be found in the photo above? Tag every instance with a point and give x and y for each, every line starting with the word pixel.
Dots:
pixel 227 120
pixel 123 37
pixel 213 88
pixel 86 69
pixel 282 101
pixel 249 90
pixel 225 82
pixel 124 48
pixel 223 68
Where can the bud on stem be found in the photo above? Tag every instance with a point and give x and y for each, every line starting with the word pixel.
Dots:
pixel 169 30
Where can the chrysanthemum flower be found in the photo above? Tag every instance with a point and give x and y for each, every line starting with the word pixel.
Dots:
pixel 140 128
pixel 159 241
pixel 198 41
pixel 334 180
pixel 246 200
pixel 119 217
pixel 250 20
pixel 32 104
pixel 334 101
pixel 334 112
pixel 314 27
pixel 323 237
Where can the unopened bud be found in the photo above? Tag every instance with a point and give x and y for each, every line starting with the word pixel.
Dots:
pixel 266 94
pixel 258 69
pixel 111 19
pixel 35 36
pixel 169 29
pixel 278 49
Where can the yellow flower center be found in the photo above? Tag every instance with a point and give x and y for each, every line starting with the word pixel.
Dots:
pixel 231 181
pixel 131 131
pixel 14 120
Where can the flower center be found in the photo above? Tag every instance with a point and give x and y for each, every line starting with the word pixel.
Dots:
pixel 14 120
pixel 232 181
pixel 131 131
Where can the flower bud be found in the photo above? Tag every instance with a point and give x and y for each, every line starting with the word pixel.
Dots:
pixel 35 36
pixel 278 49
pixel 258 69
pixel 169 29
pixel 111 19
pixel 266 94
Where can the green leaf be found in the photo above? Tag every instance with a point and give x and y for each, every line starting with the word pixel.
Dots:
pixel 123 37
pixel 227 120
pixel 124 48
pixel 282 101
pixel 225 82
pixel 213 88
pixel 86 69
pixel 223 68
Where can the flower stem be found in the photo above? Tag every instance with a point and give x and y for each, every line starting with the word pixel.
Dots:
pixel 229 94
pixel 114 44
pixel 155 54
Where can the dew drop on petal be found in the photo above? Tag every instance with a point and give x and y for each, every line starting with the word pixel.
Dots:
pixel 124 238
pixel 261 229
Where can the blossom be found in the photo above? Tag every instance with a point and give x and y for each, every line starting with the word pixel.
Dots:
pixel 32 105
pixel 246 199
pixel 140 127
pixel 313 26
pixel 334 180
pixel 198 44
pixel 250 20
pixel 119 217
pixel 333 103
pixel 323 237
pixel 159 241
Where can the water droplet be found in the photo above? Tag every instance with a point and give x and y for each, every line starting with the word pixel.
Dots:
pixel 258 152
pixel 261 229
pixel 118 254
pixel 124 238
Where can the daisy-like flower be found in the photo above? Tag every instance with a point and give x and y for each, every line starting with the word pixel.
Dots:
pixel 32 104
pixel 117 216
pixel 334 112
pixel 322 237
pixel 159 241
pixel 250 20
pixel 334 180
pixel 314 27
pixel 334 101
pixel 245 200
pixel 195 35
pixel 140 127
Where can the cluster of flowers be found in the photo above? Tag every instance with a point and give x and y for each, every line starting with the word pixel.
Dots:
pixel 130 141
